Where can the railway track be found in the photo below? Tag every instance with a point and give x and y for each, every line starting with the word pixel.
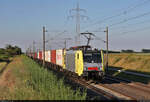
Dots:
pixel 135 90
pixel 100 89
pixel 113 88
pixel 118 89
pixel 94 89
pixel 103 90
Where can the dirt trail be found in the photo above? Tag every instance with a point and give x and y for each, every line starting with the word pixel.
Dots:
pixel 1 71
pixel 7 80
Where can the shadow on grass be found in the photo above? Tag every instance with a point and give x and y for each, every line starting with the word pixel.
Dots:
pixel 7 62
pixel 134 78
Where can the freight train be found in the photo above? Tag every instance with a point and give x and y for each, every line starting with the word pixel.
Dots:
pixel 87 63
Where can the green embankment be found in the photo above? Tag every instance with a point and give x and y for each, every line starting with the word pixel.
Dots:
pixel 134 62
pixel 28 81
pixel 133 78
pixel 139 63
pixel 2 64
pixel 3 57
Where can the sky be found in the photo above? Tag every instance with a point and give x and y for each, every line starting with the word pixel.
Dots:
pixel 21 23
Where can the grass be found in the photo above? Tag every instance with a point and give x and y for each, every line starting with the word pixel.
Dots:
pixel 135 62
pixel 3 57
pixel 33 82
pixel 129 77
pixel 2 64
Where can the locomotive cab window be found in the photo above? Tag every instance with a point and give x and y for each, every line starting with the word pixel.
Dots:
pixel 92 57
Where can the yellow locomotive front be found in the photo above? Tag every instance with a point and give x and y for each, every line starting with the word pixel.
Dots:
pixel 85 63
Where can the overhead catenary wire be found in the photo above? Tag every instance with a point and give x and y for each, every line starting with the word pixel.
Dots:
pixel 131 31
pixel 98 38
pixel 128 19
pixel 137 30
pixel 119 14
pixel 131 18
pixel 142 22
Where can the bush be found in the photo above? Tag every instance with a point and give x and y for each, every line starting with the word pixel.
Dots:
pixel 9 51
pixel 127 51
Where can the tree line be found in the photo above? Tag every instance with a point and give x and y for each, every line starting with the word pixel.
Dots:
pixel 9 51
pixel 129 51
pixel 132 51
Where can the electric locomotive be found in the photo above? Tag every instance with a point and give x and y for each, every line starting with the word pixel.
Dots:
pixel 85 62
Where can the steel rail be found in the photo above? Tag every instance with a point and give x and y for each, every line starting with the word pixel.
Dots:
pixel 100 89
pixel 95 89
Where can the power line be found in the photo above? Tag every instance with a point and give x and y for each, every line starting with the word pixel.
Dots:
pixel 131 18
pixel 119 14
pixel 145 21
pixel 128 19
pixel 136 6
pixel 137 30
pixel 58 34
pixel 132 31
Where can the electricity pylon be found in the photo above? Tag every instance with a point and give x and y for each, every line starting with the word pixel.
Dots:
pixel 78 16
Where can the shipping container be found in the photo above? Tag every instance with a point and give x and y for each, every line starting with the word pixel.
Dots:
pixel 43 55
pixel 47 56
pixel 53 56
pixel 40 55
pixel 59 57
pixel 35 55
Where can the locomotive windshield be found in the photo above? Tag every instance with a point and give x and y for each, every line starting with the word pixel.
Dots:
pixel 92 57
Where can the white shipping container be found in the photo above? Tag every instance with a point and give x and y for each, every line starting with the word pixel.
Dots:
pixel 49 56
pixel 59 57
pixel 38 55
pixel 46 56
pixel 43 55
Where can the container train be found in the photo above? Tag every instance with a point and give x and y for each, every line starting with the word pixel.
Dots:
pixel 86 63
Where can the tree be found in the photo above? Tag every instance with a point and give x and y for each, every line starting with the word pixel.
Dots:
pixel 12 50
pixel 2 51
pixel 127 51
pixel 8 46
pixel 145 50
